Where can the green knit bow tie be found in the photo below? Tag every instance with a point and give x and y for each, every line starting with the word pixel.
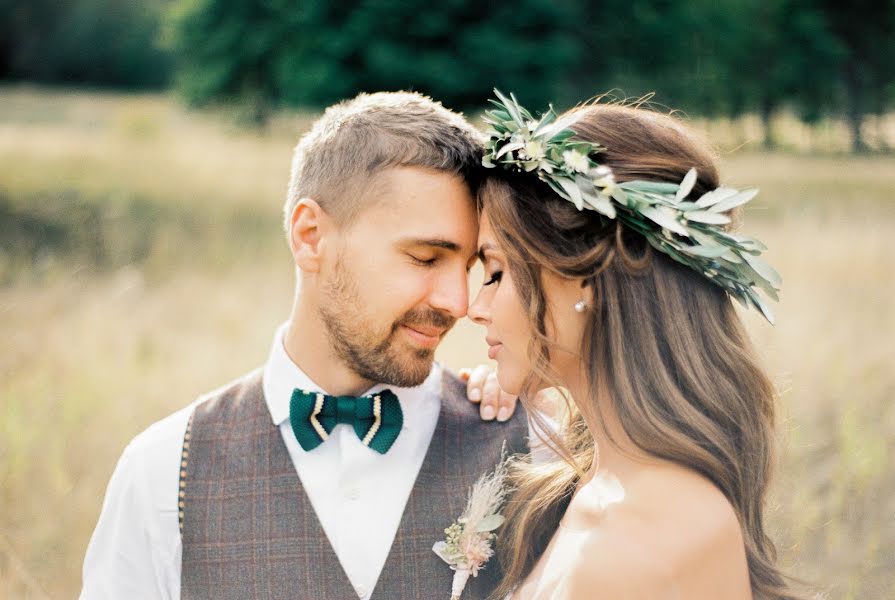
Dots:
pixel 377 419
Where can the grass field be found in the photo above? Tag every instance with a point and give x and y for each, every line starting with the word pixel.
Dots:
pixel 141 263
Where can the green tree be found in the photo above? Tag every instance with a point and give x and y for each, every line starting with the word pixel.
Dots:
pixel 785 57
pixel 96 42
pixel 676 49
pixel 315 52
pixel 865 30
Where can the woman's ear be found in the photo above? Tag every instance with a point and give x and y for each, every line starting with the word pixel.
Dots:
pixel 308 226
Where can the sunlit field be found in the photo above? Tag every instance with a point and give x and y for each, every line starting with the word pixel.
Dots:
pixel 142 262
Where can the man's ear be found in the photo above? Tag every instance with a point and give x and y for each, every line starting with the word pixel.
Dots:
pixel 308 225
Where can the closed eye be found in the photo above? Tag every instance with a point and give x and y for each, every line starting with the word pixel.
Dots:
pixel 422 261
pixel 494 278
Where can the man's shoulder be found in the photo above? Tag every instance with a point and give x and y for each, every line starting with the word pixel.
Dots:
pixel 232 394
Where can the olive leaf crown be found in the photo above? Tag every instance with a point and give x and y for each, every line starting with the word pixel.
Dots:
pixel 689 231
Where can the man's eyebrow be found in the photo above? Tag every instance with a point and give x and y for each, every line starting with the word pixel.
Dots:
pixel 485 247
pixel 433 242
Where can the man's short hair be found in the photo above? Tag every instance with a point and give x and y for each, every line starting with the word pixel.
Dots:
pixel 335 162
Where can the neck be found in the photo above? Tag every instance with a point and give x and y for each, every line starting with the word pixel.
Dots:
pixel 614 451
pixel 308 345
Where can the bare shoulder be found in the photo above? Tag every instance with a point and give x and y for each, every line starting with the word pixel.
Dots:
pixel 675 536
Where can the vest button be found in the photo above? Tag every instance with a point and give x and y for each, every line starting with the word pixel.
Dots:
pixel 361 590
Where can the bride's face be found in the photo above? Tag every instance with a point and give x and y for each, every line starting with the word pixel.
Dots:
pixel 499 309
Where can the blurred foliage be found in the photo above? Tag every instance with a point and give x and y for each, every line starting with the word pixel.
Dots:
pixel 95 42
pixel 708 57
pixel 316 52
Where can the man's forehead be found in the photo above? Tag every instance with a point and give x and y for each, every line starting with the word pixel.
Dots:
pixel 424 208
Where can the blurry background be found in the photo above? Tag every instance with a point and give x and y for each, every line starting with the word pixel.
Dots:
pixel 144 157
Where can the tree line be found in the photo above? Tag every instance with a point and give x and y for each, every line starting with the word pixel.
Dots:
pixel 709 57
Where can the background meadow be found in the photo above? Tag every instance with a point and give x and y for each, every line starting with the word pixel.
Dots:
pixel 143 263
pixel 144 157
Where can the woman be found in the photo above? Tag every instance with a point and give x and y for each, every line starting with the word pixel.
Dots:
pixel 608 271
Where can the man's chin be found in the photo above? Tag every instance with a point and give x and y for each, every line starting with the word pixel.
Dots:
pixel 414 367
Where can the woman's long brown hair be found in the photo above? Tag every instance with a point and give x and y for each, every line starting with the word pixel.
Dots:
pixel 663 342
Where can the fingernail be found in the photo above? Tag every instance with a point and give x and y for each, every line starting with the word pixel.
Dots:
pixel 488 413
pixel 503 414
pixel 475 394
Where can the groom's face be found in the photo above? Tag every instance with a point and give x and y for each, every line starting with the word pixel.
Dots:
pixel 397 278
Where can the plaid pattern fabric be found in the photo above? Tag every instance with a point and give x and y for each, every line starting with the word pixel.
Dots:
pixel 249 530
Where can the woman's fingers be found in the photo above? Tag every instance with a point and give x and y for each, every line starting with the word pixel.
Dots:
pixel 475 379
pixel 490 397
pixel 482 388
pixel 506 405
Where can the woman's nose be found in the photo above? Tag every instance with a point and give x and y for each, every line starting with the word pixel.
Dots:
pixel 478 311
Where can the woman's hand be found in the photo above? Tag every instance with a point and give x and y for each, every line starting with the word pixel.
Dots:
pixel 483 389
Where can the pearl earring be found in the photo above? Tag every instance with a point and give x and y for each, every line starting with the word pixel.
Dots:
pixel 580 306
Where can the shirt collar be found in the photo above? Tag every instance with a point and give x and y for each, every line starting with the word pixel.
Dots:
pixel 282 375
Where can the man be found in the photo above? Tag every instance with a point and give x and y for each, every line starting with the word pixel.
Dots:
pixel 255 490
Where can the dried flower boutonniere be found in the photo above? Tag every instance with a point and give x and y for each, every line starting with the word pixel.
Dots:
pixel 468 542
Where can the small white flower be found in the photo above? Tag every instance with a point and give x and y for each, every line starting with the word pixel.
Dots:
pixel 535 149
pixel 606 181
pixel 599 172
pixel 577 161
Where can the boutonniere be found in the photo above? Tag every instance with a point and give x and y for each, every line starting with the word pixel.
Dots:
pixel 468 541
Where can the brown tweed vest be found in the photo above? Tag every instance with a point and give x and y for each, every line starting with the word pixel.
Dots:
pixel 249 530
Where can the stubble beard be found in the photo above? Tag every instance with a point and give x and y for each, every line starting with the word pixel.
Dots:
pixel 373 356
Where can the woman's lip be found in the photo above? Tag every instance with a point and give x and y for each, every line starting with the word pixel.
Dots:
pixel 493 350
pixel 427 341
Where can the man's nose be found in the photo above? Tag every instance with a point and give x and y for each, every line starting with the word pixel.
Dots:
pixel 451 294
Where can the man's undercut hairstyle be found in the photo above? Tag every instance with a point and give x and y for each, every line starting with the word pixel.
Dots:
pixel 337 161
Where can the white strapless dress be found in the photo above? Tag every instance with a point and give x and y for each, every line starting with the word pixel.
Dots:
pixel 547 579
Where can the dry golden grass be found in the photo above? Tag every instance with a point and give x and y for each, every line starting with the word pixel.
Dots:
pixel 92 355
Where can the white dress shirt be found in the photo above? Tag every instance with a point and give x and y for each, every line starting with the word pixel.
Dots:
pixel 135 551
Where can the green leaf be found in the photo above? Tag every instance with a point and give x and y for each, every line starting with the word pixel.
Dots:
pixel 510 106
pixel 734 201
pixel 732 257
pixel 546 120
pixel 562 136
pixel 653 187
pixel 619 195
pixel 509 148
pixel 704 216
pixel 761 305
pixel 664 219
pixel 715 196
pixel 490 523
pixel 705 251
pixel 686 206
pixel 601 204
pixel 764 269
pixel 572 192
pixel 686 185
